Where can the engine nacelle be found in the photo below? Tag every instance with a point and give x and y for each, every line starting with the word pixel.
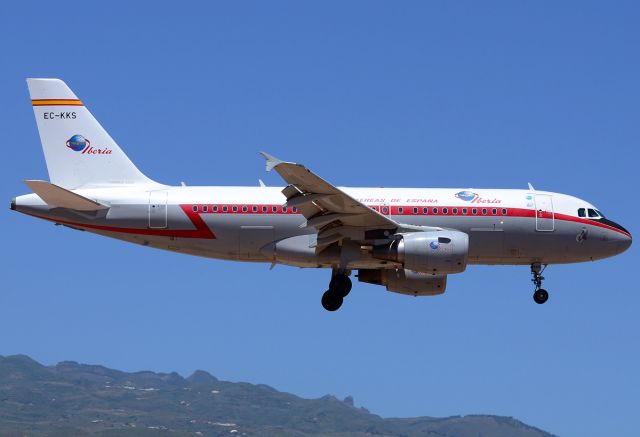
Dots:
pixel 405 281
pixel 437 252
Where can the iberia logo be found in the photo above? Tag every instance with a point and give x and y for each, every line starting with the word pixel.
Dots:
pixel 467 196
pixel 78 143
pixel 470 196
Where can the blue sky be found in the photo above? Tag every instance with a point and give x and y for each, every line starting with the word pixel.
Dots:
pixel 417 94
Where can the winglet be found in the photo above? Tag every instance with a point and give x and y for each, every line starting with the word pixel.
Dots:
pixel 272 161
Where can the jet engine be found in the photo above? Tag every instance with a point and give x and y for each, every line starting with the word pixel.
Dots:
pixel 437 252
pixel 405 281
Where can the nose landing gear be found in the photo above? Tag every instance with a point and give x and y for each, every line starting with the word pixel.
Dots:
pixel 540 295
pixel 339 288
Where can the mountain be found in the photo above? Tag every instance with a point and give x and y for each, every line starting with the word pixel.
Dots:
pixel 71 399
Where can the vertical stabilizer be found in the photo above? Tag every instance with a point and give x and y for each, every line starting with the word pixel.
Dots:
pixel 78 151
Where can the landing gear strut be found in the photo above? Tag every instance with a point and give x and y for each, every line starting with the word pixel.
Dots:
pixel 540 295
pixel 339 288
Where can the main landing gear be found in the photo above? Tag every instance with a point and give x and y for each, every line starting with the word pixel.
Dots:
pixel 540 295
pixel 339 288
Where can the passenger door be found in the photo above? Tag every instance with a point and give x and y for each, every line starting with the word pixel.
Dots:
pixel 545 219
pixel 158 209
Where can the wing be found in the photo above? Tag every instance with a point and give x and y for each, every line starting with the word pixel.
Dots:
pixel 334 213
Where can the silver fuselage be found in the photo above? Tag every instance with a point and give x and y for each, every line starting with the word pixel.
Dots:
pixel 238 223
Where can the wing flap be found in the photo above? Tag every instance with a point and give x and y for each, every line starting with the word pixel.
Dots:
pixel 59 197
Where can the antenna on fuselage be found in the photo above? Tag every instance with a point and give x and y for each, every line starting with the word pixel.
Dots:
pixel 531 187
pixel 261 183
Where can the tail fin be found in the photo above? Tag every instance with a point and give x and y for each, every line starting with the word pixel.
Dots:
pixel 78 151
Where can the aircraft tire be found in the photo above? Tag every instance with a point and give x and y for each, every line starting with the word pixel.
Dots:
pixel 540 296
pixel 340 284
pixel 331 301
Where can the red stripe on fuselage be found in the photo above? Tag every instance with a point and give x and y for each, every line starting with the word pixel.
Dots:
pixel 201 226
pixel 407 210
pixel 203 231
pixel 570 218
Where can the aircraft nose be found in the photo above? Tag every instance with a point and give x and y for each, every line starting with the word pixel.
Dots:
pixel 624 242
pixel 621 238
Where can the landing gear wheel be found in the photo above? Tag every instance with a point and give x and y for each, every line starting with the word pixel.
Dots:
pixel 540 296
pixel 331 301
pixel 340 284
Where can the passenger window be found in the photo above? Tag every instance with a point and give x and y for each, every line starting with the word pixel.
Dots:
pixel 205 208
pixel 284 209
pixel 415 210
pixel 254 208
pixel 494 211
pixel 581 212
pixel 504 211
pixel 425 210
pixel 435 210
pixel 274 209
pixel 400 210
pixel 195 208
pixel 264 209
pixel 464 211
pixel 445 210
pixel 294 210
pixel 214 208
pixel 385 210
pixel 455 210
pixel 225 208
pixel 245 209
pixel 484 211
pixel 234 208
pixel 474 211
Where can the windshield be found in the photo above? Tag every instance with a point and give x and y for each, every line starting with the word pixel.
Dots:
pixel 590 212
pixel 594 213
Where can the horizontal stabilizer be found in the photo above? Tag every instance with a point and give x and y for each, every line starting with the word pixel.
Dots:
pixel 59 197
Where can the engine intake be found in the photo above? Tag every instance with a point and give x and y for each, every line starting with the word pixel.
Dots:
pixel 437 252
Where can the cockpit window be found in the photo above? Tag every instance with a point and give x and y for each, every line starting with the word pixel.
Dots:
pixel 600 214
pixel 581 212
pixel 593 213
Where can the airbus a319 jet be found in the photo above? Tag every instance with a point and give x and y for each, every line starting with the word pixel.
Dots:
pixel 408 240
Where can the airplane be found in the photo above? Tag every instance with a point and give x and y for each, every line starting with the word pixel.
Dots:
pixel 408 240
